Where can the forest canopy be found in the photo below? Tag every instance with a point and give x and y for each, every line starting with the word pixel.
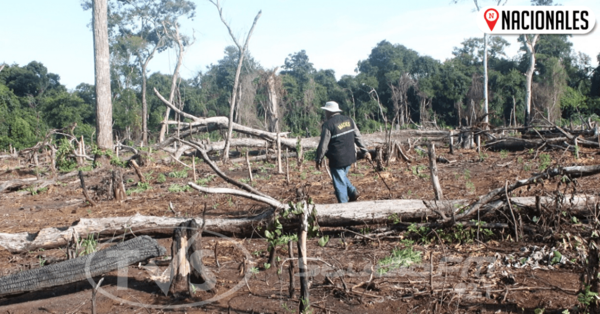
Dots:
pixel 393 84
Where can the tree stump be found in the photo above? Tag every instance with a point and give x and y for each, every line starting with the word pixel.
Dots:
pixel 379 158
pixel 117 185
pixel 188 273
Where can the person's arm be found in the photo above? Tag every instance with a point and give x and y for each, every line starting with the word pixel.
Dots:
pixel 323 145
pixel 358 139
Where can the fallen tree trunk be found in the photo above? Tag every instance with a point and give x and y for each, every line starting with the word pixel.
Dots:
pixel 218 123
pixel 34 181
pixel 328 215
pixel 81 268
pixel 567 172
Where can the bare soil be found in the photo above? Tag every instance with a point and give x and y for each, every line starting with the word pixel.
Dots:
pixel 469 275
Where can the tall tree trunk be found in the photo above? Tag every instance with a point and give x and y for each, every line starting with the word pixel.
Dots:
pixel 530 45
pixel 144 108
pixel 273 103
pixel 144 88
pixel 177 38
pixel 102 73
pixel 485 79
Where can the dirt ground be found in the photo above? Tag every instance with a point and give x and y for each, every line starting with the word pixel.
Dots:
pixel 469 272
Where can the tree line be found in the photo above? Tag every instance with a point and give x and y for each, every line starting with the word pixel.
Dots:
pixel 394 86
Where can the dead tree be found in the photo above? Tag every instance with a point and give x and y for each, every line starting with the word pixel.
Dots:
pixel 181 44
pixel 102 70
pixel 187 269
pixel 302 260
pixel 118 186
pixel 242 53
pixel 437 188
pixel 85 267
pixel 529 41
pixel 83 187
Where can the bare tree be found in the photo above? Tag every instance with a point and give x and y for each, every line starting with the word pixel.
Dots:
pixel 102 73
pixel 273 82
pixel 242 52
pixel 182 43
pixel 529 41
pixel 144 61
pixel 400 98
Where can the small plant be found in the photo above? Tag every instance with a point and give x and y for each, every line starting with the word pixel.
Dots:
pixel 64 161
pixel 148 176
pixel 418 171
pixel 323 241
pixel 394 218
pixel 503 154
pixel 86 168
pixel 88 245
pixel 482 156
pixel 41 261
pixel 176 188
pixel 266 266
pixel 526 167
pixel 161 178
pixel 286 308
pixel 557 258
pixel 545 161
pixel 205 181
pixel 141 187
pixel 310 155
pixel 587 297
pixel 35 191
pixel 419 231
pixel 470 187
pixel 467 174
pixel 254 270
pixel 178 174
pixel 303 176
pixel 399 258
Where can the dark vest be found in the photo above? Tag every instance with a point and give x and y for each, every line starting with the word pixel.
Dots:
pixel 341 152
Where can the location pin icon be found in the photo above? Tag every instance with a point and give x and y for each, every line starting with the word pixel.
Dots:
pixel 491 17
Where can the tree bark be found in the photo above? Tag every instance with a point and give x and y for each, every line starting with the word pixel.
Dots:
pixel 435 182
pixel 82 268
pixel 177 38
pixel 102 75
pixel 328 215
pixel 530 45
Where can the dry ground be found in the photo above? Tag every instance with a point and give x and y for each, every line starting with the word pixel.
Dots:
pixel 460 283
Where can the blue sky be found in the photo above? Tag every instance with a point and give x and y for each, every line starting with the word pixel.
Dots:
pixel 336 34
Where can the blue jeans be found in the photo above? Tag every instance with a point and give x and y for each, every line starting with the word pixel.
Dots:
pixel 341 184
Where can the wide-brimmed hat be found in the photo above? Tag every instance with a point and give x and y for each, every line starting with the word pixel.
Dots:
pixel 331 106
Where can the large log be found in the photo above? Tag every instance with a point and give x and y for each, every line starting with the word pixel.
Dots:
pixel 328 215
pixel 81 268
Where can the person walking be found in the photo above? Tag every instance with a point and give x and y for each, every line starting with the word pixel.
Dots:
pixel 338 137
